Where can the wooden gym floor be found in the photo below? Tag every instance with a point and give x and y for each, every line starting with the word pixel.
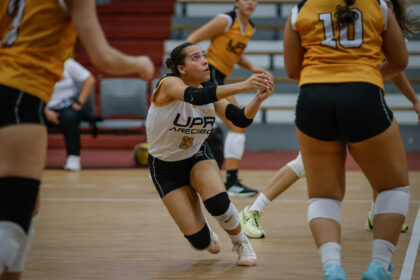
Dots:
pixel 111 224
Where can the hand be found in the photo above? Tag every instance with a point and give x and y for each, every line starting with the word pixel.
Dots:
pixel 146 68
pixel 52 116
pixel 261 70
pixel 264 94
pixel 77 106
pixel 259 81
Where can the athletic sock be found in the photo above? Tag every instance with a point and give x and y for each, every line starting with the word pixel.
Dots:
pixel 382 252
pixel 260 203
pixel 231 177
pixel 330 253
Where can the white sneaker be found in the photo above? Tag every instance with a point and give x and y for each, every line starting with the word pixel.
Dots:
pixel 215 245
pixel 11 239
pixel 73 163
pixel 246 254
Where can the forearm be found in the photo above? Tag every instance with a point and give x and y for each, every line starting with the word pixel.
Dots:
pixel 231 89
pixel 87 88
pixel 405 87
pixel 245 63
pixel 252 108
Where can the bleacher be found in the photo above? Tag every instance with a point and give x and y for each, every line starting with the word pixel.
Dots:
pixel 136 28
pixel 154 28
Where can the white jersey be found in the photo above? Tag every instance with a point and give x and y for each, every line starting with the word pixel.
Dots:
pixel 65 90
pixel 176 131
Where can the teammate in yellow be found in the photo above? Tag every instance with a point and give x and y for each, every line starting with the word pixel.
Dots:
pixel 333 48
pixel 35 37
pixel 290 173
pixel 229 34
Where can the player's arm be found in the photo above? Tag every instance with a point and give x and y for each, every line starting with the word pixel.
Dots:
pixel 394 48
pixel 405 87
pixel 214 27
pixel 293 51
pixel 102 55
pixel 174 88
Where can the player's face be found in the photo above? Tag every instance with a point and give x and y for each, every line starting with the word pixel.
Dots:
pixel 246 7
pixel 196 65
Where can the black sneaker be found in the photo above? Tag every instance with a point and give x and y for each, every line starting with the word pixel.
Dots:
pixel 237 189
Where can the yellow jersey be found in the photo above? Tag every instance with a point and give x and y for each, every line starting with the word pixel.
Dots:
pixel 352 54
pixel 225 49
pixel 35 37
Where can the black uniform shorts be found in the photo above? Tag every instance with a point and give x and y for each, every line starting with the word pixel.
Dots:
pixel 351 112
pixel 171 175
pixel 17 107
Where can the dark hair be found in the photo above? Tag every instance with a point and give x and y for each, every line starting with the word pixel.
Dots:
pixel 345 15
pixel 177 57
pixel 408 26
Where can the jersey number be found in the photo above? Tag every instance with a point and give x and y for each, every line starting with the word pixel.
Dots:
pixel 343 39
pixel 186 142
pixel 14 8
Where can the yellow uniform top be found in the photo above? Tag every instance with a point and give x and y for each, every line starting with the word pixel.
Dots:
pixel 225 49
pixel 35 37
pixel 352 54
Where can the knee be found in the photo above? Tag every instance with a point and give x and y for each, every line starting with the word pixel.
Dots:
pixel 297 166
pixel 218 204
pixel 234 145
pixel 395 200
pixel 324 208
pixel 200 240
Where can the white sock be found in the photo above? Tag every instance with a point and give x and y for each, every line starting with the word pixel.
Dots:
pixel 330 253
pixel 382 252
pixel 12 237
pixel 237 238
pixel 260 203
pixel 19 263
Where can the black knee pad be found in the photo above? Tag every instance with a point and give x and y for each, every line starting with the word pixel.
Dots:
pixel 218 204
pixel 200 240
pixel 17 200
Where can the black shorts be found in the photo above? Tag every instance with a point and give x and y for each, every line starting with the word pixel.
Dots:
pixel 216 77
pixel 171 175
pixel 17 107
pixel 351 112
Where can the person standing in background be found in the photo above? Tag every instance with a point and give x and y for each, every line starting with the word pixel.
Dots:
pixel 65 108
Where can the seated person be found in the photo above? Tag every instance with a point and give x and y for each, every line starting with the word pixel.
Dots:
pixel 65 108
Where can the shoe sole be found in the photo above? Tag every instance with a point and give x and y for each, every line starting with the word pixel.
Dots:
pixel 216 248
pixel 247 262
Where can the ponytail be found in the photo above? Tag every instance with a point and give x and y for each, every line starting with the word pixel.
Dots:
pixel 345 15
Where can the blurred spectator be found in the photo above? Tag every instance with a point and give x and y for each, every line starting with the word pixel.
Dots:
pixel 65 108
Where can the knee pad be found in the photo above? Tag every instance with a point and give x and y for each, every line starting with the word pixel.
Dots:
pixel 234 145
pixel 297 166
pixel 19 262
pixel 220 207
pixel 393 201
pixel 218 204
pixel 17 200
pixel 200 240
pixel 324 208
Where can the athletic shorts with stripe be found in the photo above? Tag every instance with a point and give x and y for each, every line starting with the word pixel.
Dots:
pixel 171 175
pixel 18 107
